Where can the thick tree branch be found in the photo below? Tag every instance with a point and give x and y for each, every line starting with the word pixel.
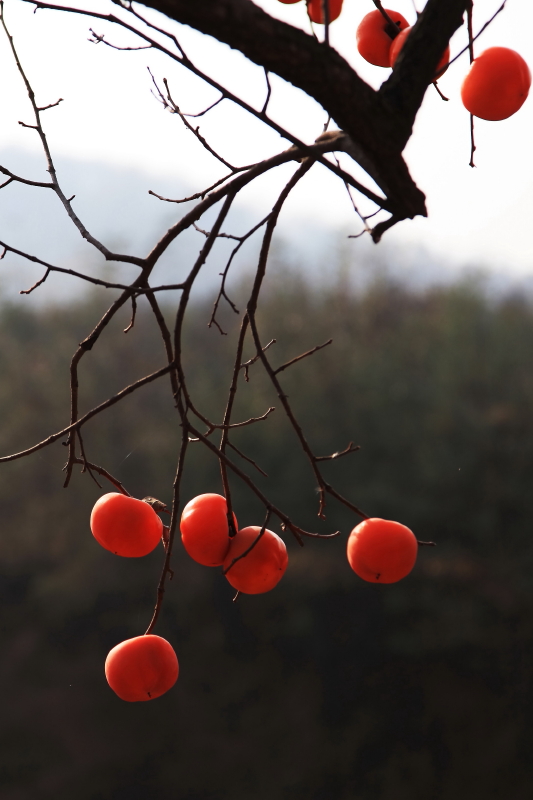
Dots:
pixel 403 92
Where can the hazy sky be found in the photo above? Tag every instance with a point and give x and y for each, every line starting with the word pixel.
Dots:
pixel 108 114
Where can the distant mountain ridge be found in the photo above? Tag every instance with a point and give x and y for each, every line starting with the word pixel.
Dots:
pixel 114 203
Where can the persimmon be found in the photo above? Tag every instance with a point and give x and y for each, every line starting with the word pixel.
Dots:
pixel 205 530
pixel 125 526
pixel 315 9
pixel 142 668
pixel 373 41
pixel 399 42
pixel 260 569
pixel 497 84
pixel 382 551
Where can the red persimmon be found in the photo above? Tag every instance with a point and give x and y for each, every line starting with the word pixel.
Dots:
pixel 497 84
pixel 373 41
pixel 142 668
pixel 205 530
pixel 399 42
pixel 125 526
pixel 260 569
pixel 315 9
pixel 382 551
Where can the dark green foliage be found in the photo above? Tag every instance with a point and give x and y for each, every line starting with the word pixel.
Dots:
pixel 326 688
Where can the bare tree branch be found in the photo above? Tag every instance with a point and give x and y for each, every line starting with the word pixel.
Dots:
pixel 375 127
pixel 303 355
pixel 89 415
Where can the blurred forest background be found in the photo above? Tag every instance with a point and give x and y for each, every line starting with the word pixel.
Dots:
pixel 326 688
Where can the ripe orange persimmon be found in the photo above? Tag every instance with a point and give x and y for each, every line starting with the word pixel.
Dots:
pixel 125 525
pixel 316 11
pixel 142 668
pixel 263 567
pixel 373 41
pixel 497 84
pixel 382 551
pixel 399 42
pixel 205 530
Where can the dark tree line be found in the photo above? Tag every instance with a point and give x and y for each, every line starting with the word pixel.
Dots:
pixel 327 686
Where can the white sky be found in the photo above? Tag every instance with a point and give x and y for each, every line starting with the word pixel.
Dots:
pixel 481 215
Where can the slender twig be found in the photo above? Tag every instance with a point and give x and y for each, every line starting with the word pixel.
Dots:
pixel 129 7
pixel 251 547
pixel 86 466
pixel 478 34
pixel 303 355
pixel 169 103
pixel 98 38
pixel 65 271
pixel 269 93
pixel 89 415
pixel 440 94
pixel 222 291
pixel 104 473
pixel 225 426
pixel 247 364
pixel 133 314
pixel 246 458
pixel 196 196
pixel 19 179
pixel 36 284
pixel 50 163
pixel 354 205
pixel 352 448
pixel 220 235
pixel 171 530
pixel 167 343
pixel 469 13
pixel 209 108
pixel 227 417
pixel 50 105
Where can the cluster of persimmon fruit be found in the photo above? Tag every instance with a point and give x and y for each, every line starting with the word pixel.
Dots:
pixel 254 560
pixel 495 87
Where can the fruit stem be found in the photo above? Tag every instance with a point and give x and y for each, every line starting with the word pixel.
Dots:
pixel 392 28
pixel 325 14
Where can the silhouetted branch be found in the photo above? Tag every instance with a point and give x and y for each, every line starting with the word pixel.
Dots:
pixel 249 549
pixel 104 473
pixel 209 108
pixel 304 355
pixel 222 291
pixel 248 364
pixel 89 415
pixel 246 458
pixel 350 449
pixel 98 38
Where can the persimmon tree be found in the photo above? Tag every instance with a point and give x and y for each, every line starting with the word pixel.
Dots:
pixel 371 128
